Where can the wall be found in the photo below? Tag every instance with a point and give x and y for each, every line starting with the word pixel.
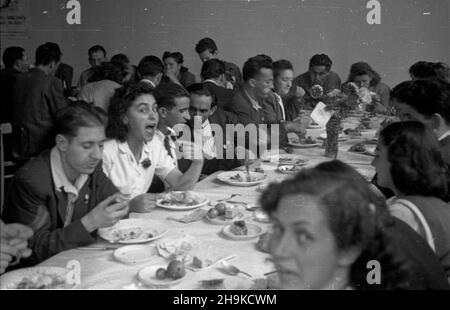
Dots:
pixel 291 29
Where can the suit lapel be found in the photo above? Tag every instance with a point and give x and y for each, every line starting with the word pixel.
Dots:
pixel 61 201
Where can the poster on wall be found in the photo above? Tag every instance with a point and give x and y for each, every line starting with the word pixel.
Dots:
pixel 14 19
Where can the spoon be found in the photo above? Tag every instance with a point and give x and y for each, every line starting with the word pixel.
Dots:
pixel 233 270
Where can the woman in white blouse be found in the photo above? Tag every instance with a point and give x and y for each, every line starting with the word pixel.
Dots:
pixel 135 154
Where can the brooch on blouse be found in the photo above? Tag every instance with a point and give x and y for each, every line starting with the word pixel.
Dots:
pixel 146 163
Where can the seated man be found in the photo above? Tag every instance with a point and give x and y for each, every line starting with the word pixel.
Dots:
pixel 213 76
pixel 66 187
pixel 206 49
pixel 319 73
pixel 151 70
pixel 40 94
pixel 256 104
pixel 64 72
pixel 426 101
pixel 97 55
pixel 214 119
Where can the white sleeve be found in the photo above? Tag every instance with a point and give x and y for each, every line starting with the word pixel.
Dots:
pixel 165 164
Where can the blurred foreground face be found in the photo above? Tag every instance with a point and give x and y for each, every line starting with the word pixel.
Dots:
pixel 303 247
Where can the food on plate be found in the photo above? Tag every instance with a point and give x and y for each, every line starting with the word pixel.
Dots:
pixel 240 178
pixel 221 208
pixel 161 274
pixel 213 213
pixel 239 228
pixel 42 281
pixel 211 283
pixel 294 140
pixel 309 140
pixel 263 243
pixel 358 147
pixel 180 199
pixel 197 262
pixel 289 168
pixel 365 123
pixel 176 270
pixel 313 123
pixel 130 233
pixel 231 212
pixel 292 161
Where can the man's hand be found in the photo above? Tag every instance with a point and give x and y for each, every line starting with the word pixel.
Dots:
pixel 298 127
pixel 246 157
pixel 143 203
pixel 106 213
pixel 13 243
pixel 334 93
pixel 299 92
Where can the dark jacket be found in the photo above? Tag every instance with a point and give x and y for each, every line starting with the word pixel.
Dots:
pixel 65 74
pixel 223 95
pixel 8 78
pixel 36 98
pixel 445 144
pixel 233 75
pixel 33 187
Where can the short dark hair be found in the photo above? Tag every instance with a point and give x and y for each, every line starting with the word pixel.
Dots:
pixel 150 65
pixel 113 71
pixel 11 55
pixel 45 55
pixel 426 96
pixel 355 216
pixel 55 47
pixel 423 70
pixel 253 66
pixel 167 93
pixel 175 55
pixel 442 71
pixel 200 89
pixel 320 60
pixel 120 58
pixel 120 103
pixel 96 48
pixel 281 65
pixel 78 114
pixel 212 69
pixel 206 44
pixel 417 163
pixel 363 68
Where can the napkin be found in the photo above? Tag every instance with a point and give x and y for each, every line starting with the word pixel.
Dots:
pixel 195 216
pixel 320 115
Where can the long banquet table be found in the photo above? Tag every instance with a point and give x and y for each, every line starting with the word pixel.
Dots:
pixel 100 270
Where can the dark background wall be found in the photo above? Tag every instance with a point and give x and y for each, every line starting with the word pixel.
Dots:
pixel 292 29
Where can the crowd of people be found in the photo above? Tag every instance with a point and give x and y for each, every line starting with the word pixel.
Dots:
pixel 89 154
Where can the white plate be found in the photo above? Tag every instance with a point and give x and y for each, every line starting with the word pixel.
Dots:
pixel 146 226
pixel 287 169
pixel 312 126
pixel 253 232
pixel 289 160
pixel 180 207
pixel 148 277
pixel 135 254
pixel 12 279
pixel 257 176
pixel 303 145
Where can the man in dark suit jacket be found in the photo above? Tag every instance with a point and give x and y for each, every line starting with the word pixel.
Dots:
pixel 37 95
pixel 213 76
pixel 63 194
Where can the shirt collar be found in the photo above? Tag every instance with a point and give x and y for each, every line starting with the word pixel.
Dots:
pixel 149 82
pixel 59 176
pixel 445 135
pixel 125 148
pixel 254 103
pixel 212 81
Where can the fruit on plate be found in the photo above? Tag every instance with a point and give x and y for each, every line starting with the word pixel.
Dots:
pixel 161 274
pixel 213 213
pixel 176 270
pixel 221 208
pixel 309 140
pixel 358 147
pixel 239 228
pixel 231 212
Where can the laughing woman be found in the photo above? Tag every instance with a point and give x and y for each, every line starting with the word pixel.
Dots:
pixel 135 154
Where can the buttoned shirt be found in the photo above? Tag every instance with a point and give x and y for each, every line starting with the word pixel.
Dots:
pixel 62 184
pixel 130 177
pixel 254 103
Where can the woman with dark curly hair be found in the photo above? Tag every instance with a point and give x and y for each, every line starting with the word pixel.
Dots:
pixel 135 154
pixel 410 163
pixel 175 71
pixel 105 79
pixel 328 225
pixel 362 74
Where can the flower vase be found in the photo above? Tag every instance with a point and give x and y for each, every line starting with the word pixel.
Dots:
pixel 333 127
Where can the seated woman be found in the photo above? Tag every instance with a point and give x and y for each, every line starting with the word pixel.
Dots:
pixel 328 225
pixel 409 162
pixel 362 74
pixel 175 71
pixel 105 80
pixel 135 154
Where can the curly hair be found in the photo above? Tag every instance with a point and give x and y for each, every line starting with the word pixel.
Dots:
pixel 177 56
pixel 417 163
pixel 321 60
pixel 206 44
pixel 120 103
pixel 355 215
pixel 362 68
